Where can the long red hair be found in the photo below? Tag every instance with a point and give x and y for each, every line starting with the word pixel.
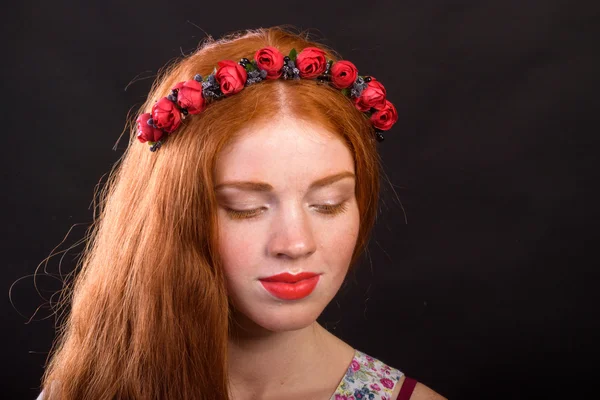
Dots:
pixel 149 314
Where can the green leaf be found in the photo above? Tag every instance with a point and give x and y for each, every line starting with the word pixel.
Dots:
pixel 346 91
pixel 293 55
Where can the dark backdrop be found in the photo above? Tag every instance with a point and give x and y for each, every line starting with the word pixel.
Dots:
pixel 483 271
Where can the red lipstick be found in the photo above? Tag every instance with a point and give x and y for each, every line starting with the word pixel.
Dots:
pixel 286 286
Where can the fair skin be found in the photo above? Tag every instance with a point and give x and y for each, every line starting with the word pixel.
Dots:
pixel 302 217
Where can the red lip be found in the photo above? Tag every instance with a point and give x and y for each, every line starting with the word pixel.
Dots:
pixel 289 278
pixel 296 290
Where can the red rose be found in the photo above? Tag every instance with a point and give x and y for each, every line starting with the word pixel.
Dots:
pixel 373 96
pixel 343 74
pixel 385 118
pixel 271 60
pixel 189 96
pixel 231 77
pixel 165 114
pixel 311 62
pixel 146 132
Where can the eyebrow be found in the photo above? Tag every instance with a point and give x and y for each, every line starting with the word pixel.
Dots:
pixel 265 187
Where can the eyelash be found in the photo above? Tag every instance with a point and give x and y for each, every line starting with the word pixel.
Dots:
pixel 330 211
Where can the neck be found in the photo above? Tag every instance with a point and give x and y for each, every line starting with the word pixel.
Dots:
pixel 266 364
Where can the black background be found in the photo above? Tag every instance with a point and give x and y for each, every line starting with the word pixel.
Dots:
pixel 481 276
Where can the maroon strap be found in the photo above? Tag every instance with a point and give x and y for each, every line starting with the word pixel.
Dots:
pixel 407 388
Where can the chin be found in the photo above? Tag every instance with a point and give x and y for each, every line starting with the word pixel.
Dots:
pixel 289 322
pixel 277 317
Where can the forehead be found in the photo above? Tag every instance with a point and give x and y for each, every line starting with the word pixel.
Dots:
pixel 283 150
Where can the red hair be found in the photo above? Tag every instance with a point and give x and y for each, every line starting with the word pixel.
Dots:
pixel 150 315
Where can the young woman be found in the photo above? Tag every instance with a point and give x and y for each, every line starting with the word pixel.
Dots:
pixel 247 192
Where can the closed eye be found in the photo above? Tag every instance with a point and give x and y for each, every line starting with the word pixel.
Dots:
pixel 326 209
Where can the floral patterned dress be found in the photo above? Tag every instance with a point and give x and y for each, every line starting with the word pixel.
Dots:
pixel 367 379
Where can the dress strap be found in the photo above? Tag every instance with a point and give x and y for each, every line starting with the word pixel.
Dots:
pixel 407 388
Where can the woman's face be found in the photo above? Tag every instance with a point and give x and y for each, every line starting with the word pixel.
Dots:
pixel 287 203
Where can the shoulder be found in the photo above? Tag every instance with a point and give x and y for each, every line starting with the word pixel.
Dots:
pixel 373 377
pixel 420 392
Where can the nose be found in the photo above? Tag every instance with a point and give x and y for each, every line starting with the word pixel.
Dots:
pixel 292 235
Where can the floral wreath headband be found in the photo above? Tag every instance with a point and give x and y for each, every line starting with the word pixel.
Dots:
pixel 192 96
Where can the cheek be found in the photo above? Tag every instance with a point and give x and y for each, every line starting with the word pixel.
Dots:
pixel 236 252
pixel 236 248
pixel 339 240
